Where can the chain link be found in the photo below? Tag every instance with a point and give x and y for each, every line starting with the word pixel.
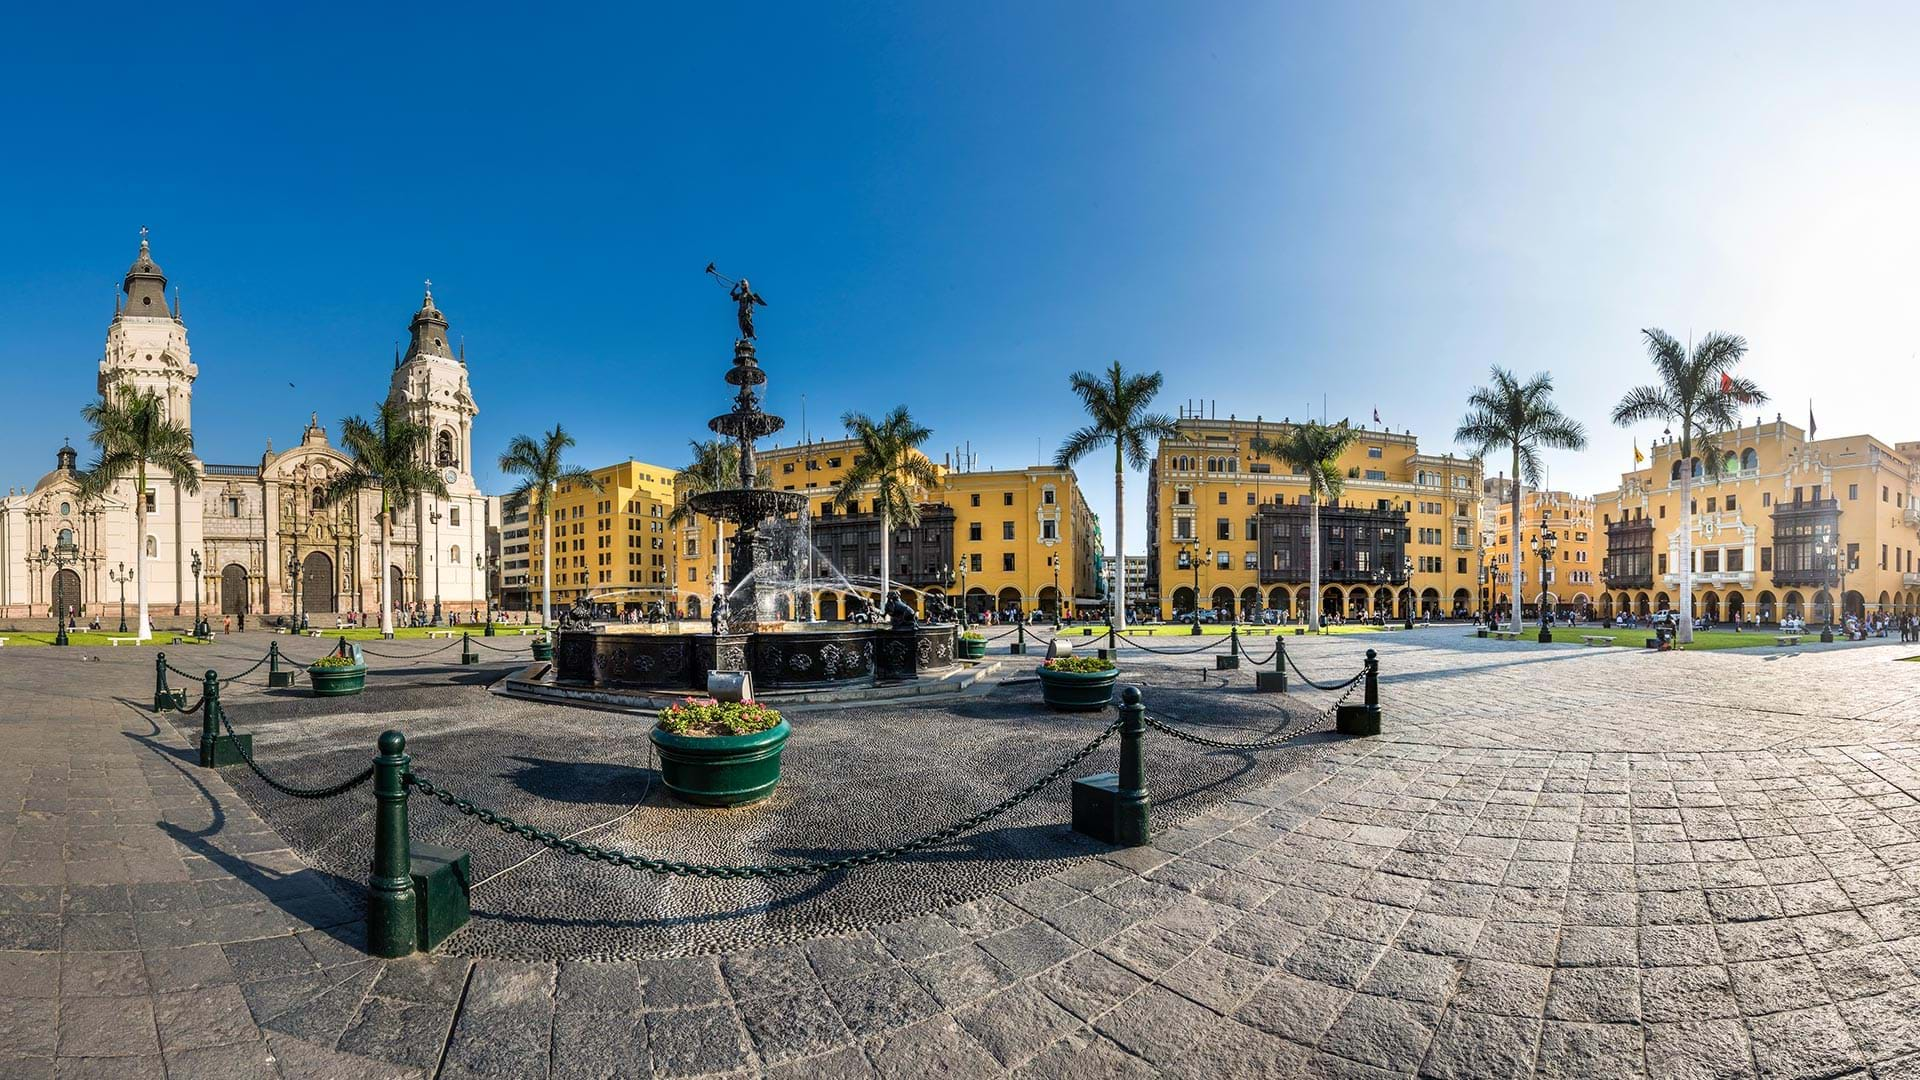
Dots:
pixel 1329 687
pixel 183 674
pixel 249 671
pixel 497 648
pixel 1264 744
pixel 410 656
pixel 616 857
pixel 189 710
pixel 1219 639
pixel 340 788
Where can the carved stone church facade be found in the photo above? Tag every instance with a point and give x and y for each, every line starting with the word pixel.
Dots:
pixel 268 545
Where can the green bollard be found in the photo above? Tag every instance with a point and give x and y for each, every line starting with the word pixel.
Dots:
pixel 392 917
pixel 1275 681
pixel 162 697
pixel 467 655
pixel 1363 719
pixel 1019 646
pixel 1112 807
pixel 216 748
pixel 276 677
pixel 1231 661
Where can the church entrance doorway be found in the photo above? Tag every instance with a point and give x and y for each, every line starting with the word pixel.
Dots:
pixel 316 584
pixel 233 590
pixel 66 595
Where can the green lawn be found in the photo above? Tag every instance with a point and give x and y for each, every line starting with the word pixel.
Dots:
pixel 1637 638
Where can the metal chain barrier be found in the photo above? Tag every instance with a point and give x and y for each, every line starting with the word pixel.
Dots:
pixel 410 656
pixel 1219 639
pixel 189 710
pixel 1264 744
pixel 183 674
pixel 1267 659
pixel 631 861
pixel 340 788
pixel 1329 687
pixel 249 671
pixel 497 648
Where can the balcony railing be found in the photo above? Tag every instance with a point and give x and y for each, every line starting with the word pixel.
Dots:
pixel 1910 580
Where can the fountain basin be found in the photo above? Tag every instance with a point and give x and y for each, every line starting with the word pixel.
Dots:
pixel 812 657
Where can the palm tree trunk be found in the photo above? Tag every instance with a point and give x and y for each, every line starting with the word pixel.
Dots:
pixel 386 575
pixel 1313 563
pixel 1685 630
pixel 1518 560
pixel 1117 603
pixel 546 564
pixel 139 550
pixel 886 566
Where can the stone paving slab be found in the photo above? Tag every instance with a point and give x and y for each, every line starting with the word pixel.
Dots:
pixel 1554 863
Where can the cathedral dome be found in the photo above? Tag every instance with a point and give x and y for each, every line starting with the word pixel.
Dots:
pixel 145 285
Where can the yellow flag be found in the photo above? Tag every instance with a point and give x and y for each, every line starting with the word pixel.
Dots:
pixel 1638 457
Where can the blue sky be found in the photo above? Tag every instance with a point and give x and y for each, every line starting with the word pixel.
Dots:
pixel 954 206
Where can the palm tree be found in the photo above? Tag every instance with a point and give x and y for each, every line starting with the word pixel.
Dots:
pixel 540 466
pixel 388 454
pixel 132 431
pixel 893 472
pixel 1117 402
pixel 1699 394
pixel 1520 417
pixel 1312 450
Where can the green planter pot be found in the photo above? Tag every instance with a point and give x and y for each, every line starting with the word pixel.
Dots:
pixel 721 770
pixel 542 649
pixel 338 681
pixel 973 650
pixel 1077 691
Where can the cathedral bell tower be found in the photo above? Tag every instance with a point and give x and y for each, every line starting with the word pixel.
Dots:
pixel 147 342
pixel 430 382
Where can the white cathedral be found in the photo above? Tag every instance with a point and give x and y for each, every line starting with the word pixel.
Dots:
pixel 266 545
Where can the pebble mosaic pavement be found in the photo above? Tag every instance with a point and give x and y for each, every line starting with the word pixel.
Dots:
pixel 1557 861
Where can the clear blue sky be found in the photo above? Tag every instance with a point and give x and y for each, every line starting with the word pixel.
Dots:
pixel 953 206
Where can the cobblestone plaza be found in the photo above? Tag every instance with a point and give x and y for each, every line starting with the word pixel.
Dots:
pixel 1554 861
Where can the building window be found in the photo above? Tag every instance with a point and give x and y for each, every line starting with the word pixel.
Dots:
pixel 153 548
pixel 1046 495
pixel 1853 491
pixel 973 531
pixel 1183 497
pixel 976 498
pixel 1253 528
pixel 233 506
pixel 1376 474
pixel 1006 561
pixel 1048 530
pixel 974 563
pixel 1373 452
pixel 1663 563
pixel 1223 498
pixel 1223 560
pixel 453 515
pixel 1253 560
pixel 453 554
pixel 1731 504
pixel 1710 561
pixel 1006 530
pixel 1006 498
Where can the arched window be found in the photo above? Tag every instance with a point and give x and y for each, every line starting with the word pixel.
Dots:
pixel 66 537
pixel 319 498
pixel 1749 459
pixel 453 554
pixel 443 449
pixel 1676 470
pixel 153 548
pixel 1699 470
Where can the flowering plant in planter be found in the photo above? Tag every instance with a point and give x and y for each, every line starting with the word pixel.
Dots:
pixel 973 635
pixel 709 717
pixel 334 660
pixel 1079 665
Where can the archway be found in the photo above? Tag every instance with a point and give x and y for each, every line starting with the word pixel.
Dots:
pixel 1009 600
pixel 1822 606
pixel 1710 606
pixel 1765 608
pixel 1792 606
pixel 1279 600
pixel 234 598
pixel 828 604
pixel 1582 606
pixel 693 607
pixel 1222 601
pixel 1885 605
pixel 1048 601
pixel 1461 601
pixel 1382 601
pixel 397 587
pixel 781 609
pixel 1330 601
pixel 1250 603
pixel 1660 602
pixel 1736 607
pixel 1641 607
pixel 1182 602
pixel 316 583
pixel 67 601
pixel 978 601
pixel 1357 603
pixel 1853 604
pixel 1302 602
pixel 1606 607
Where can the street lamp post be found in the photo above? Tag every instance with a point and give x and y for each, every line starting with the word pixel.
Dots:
pixel 1193 556
pixel 434 517
pixel 1054 561
pixel 293 584
pixel 1406 575
pixel 121 577
pixel 963 592
pixel 62 555
pixel 1835 559
pixel 200 627
pixel 1544 546
pixel 486 590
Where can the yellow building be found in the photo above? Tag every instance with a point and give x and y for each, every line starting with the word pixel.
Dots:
pixel 993 536
pixel 1230 528
pixel 1572 583
pixel 1787 526
pixel 612 546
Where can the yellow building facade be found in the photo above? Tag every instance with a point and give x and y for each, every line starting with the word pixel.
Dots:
pixel 1228 529
pixel 1572 582
pixel 1001 538
pixel 1790 527
pixel 611 547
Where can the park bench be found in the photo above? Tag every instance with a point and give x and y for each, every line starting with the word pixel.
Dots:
pixel 3 641
pixel 1504 635
pixel 1595 639
pixel 112 641
pixel 439 633
pixel 1787 639
pixel 527 631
